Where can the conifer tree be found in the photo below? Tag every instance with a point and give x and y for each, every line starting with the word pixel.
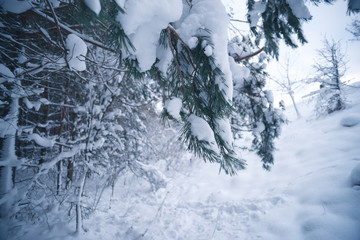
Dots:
pixel 330 69
pixel 254 106
pixel 355 28
pixel 280 19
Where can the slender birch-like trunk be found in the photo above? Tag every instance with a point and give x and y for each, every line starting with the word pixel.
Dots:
pixel 8 161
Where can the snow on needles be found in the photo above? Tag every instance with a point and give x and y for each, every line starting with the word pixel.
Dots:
pixel 255 13
pixel 210 15
pixel 193 42
pixel 5 74
pixel 173 107
pixel 144 20
pixel 225 131
pixel 208 50
pixel 299 8
pixel 203 132
pixel 239 73
pixel 77 52
pixel 143 23
pixel 94 5
pixel 44 142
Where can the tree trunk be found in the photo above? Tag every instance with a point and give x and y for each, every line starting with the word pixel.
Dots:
pixel 8 161
pixel 61 129
pixel 58 177
pixel 296 109
pixel 80 189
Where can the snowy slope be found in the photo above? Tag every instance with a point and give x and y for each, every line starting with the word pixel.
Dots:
pixel 308 194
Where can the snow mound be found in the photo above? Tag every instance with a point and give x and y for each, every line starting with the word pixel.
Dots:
pixel 350 121
pixel 355 175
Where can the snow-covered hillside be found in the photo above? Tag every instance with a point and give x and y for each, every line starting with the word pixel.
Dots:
pixel 312 192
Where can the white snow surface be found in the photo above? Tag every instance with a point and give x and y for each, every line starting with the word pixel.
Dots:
pixel 94 5
pixel 350 121
pixel 311 193
pixel 77 51
pixel 355 176
pixel 173 107
pixel 143 23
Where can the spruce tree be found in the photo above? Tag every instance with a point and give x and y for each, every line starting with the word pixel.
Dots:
pixel 355 28
pixel 280 19
pixel 330 69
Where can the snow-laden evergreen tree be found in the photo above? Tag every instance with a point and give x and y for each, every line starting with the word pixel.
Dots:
pixel 355 28
pixel 88 72
pixel 254 106
pixel 330 69
pixel 71 115
pixel 353 6
pixel 280 19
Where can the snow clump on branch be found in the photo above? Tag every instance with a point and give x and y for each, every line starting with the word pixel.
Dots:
pixel 143 22
pixel 77 52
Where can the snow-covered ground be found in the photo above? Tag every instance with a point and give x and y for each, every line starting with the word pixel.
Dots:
pixel 312 192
